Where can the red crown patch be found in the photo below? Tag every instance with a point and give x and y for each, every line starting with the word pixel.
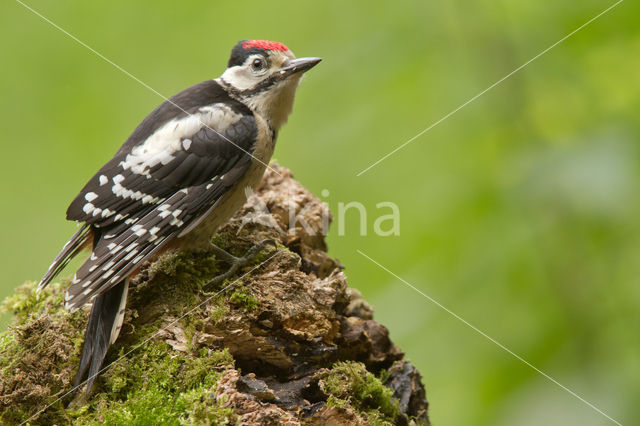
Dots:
pixel 264 45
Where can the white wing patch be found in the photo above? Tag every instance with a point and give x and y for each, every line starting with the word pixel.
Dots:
pixel 171 137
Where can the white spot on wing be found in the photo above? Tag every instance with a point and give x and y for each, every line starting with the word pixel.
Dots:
pixel 107 213
pixel 186 144
pixel 88 208
pixel 130 255
pixel 103 180
pixel 90 196
pixel 131 247
pixel 213 179
pixel 176 222
pixel 138 230
pixel 159 147
pixel 120 191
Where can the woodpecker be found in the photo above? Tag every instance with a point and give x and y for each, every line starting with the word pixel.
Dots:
pixel 181 174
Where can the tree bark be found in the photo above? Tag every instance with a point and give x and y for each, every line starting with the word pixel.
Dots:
pixel 286 341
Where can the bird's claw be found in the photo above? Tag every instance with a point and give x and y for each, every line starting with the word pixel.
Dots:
pixel 238 262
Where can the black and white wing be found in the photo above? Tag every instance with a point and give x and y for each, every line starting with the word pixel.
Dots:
pixel 172 170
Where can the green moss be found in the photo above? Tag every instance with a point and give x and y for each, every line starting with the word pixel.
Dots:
pixel 177 277
pixel 155 406
pixel 221 240
pixel 349 385
pixel 282 247
pixel 268 251
pixel 25 303
pixel 153 385
pixel 42 338
pixel 159 386
pixel 201 409
pixel 243 297
pixel 229 243
pixel 219 312
pixel 147 381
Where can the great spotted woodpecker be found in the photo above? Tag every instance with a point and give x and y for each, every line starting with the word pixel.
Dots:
pixel 181 174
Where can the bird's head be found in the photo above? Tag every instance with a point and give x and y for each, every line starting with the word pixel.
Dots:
pixel 265 75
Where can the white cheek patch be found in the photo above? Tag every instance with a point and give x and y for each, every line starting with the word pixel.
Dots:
pixel 239 78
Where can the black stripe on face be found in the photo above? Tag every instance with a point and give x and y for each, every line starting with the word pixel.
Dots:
pixel 264 85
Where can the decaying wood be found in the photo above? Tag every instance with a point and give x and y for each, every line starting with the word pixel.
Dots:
pixel 287 321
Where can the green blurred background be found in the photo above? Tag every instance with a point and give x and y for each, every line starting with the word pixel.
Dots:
pixel 520 213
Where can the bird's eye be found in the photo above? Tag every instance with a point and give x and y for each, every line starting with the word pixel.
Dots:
pixel 258 64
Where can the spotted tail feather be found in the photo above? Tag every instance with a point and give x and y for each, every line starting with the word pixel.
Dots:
pixel 75 244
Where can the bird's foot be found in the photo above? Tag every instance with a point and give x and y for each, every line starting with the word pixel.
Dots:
pixel 237 262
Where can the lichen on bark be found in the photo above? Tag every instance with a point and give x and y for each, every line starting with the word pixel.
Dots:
pixel 284 342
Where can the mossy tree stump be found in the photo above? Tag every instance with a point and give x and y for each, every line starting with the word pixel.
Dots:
pixel 285 342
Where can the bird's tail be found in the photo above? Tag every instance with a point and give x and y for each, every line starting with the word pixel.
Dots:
pixel 105 321
pixel 75 244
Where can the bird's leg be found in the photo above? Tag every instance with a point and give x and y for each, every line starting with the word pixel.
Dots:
pixel 237 262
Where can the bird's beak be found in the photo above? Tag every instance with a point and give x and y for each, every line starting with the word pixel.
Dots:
pixel 295 66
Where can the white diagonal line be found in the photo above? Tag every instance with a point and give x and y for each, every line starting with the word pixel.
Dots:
pixel 488 88
pixel 491 339
pixel 136 347
pixel 101 56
